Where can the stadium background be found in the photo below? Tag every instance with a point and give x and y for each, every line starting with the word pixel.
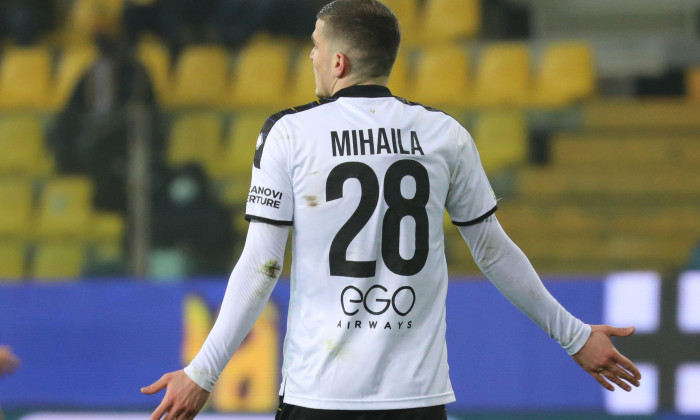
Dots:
pixel 126 135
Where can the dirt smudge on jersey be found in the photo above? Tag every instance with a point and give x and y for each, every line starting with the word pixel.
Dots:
pixel 311 200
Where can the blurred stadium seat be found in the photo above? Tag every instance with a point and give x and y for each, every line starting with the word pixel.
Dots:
pixel 501 137
pixel 155 57
pixel 566 75
pixel 442 76
pixel 692 83
pixel 195 137
pixel 503 75
pixel 90 16
pixel 15 207
pixel 399 82
pixel 25 78
pixel 65 208
pixel 260 61
pixel 12 261
pixel 58 261
pixel 22 145
pixel 238 155
pixel 407 13
pixel 302 86
pixel 200 78
pixel 449 20
pixel 73 62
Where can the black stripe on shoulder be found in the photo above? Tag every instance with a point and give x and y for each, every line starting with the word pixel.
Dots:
pixel 272 120
pixel 250 217
pixel 478 219
pixel 427 108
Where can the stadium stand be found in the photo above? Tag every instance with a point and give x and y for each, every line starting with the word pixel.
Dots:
pixel 263 60
pixel 195 138
pixel 200 77
pixel 58 261
pixel 449 20
pixel 566 75
pixel 155 57
pixel 15 207
pixel 442 77
pixel 12 261
pixel 73 62
pixel 25 78
pixel 23 146
pixel 65 208
pixel 501 137
pixel 503 75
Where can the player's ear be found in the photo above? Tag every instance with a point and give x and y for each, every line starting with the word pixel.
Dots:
pixel 341 65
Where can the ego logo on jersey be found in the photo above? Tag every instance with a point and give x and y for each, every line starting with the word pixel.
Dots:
pixel 377 300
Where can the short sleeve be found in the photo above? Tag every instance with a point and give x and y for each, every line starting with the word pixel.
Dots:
pixel 270 198
pixel 470 199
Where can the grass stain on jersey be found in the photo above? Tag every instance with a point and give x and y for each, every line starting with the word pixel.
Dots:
pixel 311 200
pixel 271 269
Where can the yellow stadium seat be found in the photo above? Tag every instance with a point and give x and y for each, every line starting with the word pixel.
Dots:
pixel 501 137
pixel 73 63
pixel 196 138
pixel 566 74
pixel 155 57
pixel 65 208
pixel 200 76
pixel 15 207
pixel 107 236
pixel 25 78
pixel 240 146
pixel 503 75
pixel 58 261
pixel 442 76
pixel 12 260
pixel 260 77
pixel 450 20
pixel 398 82
pixel 303 82
pixel 692 83
pixel 90 16
pixel 22 145
pixel 407 12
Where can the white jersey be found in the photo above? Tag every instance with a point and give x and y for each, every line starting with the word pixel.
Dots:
pixel 364 178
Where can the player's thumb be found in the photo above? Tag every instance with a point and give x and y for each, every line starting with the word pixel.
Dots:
pixel 156 386
pixel 621 332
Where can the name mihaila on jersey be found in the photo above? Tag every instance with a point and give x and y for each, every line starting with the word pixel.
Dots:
pixel 365 142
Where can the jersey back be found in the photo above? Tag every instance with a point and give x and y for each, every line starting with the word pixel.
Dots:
pixel 364 181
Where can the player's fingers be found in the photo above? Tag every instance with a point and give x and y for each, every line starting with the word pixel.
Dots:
pixel 158 413
pixel 601 380
pixel 175 414
pixel 629 366
pixel 616 380
pixel 621 332
pixel 157 385
pixel 623 374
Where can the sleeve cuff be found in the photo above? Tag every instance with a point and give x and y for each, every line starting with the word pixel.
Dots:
pixel 579 340
pixel 200 378
pixel 250 217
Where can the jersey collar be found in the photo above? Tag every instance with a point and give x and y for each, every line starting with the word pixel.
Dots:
pixel 363 91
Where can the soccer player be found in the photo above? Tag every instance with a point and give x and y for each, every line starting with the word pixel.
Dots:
pixel 364 178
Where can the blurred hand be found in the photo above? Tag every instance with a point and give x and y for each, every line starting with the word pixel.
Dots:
pixel 601 359
pixel 8 361
pixel 183 397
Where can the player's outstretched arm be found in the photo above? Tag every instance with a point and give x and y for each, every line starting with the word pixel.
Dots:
pixel 601 359
pixel 183 398
pixel 511 272
pixel 247 292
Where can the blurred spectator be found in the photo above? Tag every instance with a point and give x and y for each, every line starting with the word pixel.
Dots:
pixel 26 20
pixel 186 216
pixel 91 134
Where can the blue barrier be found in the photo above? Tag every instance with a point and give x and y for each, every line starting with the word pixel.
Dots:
pixel 93 345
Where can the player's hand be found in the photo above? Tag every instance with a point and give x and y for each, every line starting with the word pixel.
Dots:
pixel 601 359
pixel 8 361
pixel 183 397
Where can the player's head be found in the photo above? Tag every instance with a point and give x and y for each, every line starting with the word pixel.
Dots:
pixel 356 41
